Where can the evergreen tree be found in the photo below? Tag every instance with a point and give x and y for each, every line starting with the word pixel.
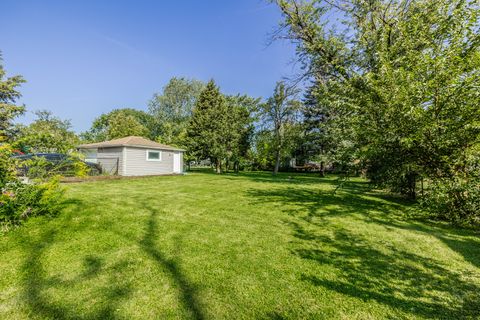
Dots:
pixel 208 130
pixel 8 108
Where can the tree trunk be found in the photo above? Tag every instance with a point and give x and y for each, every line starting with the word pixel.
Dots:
pixel 236 166
pixel 218 166
pixel 277 162
pixel 412 181
pixel 322 169
pixel 422 188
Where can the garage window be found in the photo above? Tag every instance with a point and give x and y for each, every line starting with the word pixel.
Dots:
pixel 153 155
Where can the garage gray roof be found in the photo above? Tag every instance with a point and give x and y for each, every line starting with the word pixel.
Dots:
pixel 132 141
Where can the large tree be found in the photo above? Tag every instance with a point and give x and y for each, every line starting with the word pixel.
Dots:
pixel 47 133
pixel 241 109
pixel 172 109
pixel 278 114
pixel 400 80
pixel 123 125
pixel 119 123
pixel 208 130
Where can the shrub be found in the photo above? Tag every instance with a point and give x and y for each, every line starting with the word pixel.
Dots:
pixel 7 166
pixel 18 200
pixel 43 169
pixel 456 200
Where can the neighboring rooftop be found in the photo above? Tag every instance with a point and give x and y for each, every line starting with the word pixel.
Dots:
pixel 132 141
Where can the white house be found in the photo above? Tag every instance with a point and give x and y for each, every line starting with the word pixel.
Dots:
pixel 134 156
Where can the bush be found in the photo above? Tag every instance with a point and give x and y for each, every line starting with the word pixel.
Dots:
pixel 43 169
pixel 456 200
pixel 7 166
pixel 19 201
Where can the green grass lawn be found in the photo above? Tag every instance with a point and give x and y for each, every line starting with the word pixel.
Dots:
pixel 243 246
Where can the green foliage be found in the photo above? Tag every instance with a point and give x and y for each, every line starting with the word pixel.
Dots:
pixel 241 122
pixel 263 152
pixel 8 109
pixel 42 169
pixel 7 165
pixel 19 201
pixel 120 123
pixel 279 115
pixel 47 133
pixel 457 199
pixel 221 127
pixel 399 85
pixel 172 109
pixel 209 127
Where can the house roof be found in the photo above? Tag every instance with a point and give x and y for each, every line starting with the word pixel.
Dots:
pixel 131 141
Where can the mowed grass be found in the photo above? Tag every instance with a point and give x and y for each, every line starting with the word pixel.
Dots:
pixel 248 246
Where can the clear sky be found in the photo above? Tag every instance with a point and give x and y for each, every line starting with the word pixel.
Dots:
pixel 83 58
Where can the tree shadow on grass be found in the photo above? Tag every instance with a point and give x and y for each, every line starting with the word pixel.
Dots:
pixel 464 242
pixel 38 284
pixel 289 178
pixel 408 282
pixel 310 204
pixel 187 291
pixel 399 279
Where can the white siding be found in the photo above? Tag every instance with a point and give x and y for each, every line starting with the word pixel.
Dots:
pixel 138 165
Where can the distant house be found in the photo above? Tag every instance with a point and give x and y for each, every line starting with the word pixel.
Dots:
pixel 134 156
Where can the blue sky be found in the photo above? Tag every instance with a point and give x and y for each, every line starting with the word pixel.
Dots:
pixel 84 58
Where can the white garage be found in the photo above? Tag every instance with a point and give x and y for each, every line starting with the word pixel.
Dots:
pixel 134 156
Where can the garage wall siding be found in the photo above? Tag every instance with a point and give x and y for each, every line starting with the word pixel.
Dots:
pixel 137 164
pixel 107 157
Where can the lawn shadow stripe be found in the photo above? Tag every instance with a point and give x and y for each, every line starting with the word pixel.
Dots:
pixel 188 294
pixel 388 275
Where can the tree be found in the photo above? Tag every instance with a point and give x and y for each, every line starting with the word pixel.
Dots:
pixel 240 111
pixel 19 200
pixel 120 123
pixel 208 129
pixel 8 112
pixel 277 112
pixel 8 108
pixel 401 84
pixel 47 133
pixel 123 125
pixel 172 109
